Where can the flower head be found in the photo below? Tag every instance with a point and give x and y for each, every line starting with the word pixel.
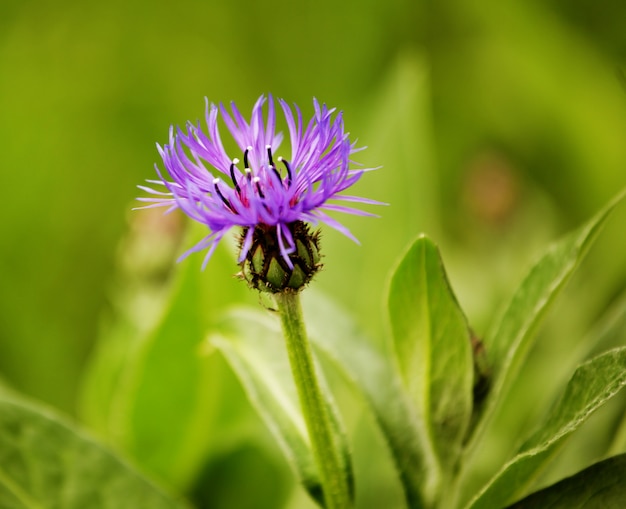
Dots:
pixel 260 188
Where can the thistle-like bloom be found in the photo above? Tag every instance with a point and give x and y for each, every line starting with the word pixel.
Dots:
pixel 259 190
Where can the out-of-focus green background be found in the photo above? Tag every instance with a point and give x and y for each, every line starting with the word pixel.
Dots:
pixel 499 125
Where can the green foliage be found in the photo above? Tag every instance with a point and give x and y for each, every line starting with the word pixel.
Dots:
pixel 592 385
pixel 433 348
pixel 600 485
pixel 498 126
pixel 375 378
pixel 420 386
pixel 265 477
pixel 46 463
pixel 151 388
pixel 512 335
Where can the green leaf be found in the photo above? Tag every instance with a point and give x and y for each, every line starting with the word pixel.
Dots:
pixel 161 398
pixel 600 485
pixel 151 387
pixel 46 463
pixel 511 337
pixel 592 385
pixel 433 347
pixel 375 377
pixel 252 343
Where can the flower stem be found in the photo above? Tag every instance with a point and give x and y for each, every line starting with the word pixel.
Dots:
pixel 316 413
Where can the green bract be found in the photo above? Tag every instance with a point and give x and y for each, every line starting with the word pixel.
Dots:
pixel 266 269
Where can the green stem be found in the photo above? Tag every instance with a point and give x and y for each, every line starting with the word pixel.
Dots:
pixel 316 414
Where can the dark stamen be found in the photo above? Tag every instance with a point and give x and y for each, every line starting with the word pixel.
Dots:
pixel 232 176
pixel 277 173
pixel 269 154
pixel 272 165
pixel 222 197
pixel 289 176
pixel 258 187
pixel 246 163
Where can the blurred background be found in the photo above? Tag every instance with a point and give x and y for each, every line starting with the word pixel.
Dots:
pixel 499 126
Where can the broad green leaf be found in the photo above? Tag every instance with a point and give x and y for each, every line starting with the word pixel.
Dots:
pixel 600 485
pixel 139 296
pixel 166 402
pixel 151 389
pixel 433 347
pixel 252 343
pixel 118 342
pixel 592 385
pixel 511 337
pixel 375 377
pixel 45 463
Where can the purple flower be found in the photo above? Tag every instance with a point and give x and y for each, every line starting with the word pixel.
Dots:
pixel 259 187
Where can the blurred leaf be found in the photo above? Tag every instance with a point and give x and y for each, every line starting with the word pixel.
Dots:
pixel 165 400
pixel 253 345
pixel 592 385
pixel 118 343
pixel 152 387
pixel 375 377
pixel 45 462
pixel 511 338
pixel 433 347
pixel 600 485
pixel 600 437
pixel 267 480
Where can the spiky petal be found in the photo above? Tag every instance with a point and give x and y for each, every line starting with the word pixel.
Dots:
pixel 258 188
